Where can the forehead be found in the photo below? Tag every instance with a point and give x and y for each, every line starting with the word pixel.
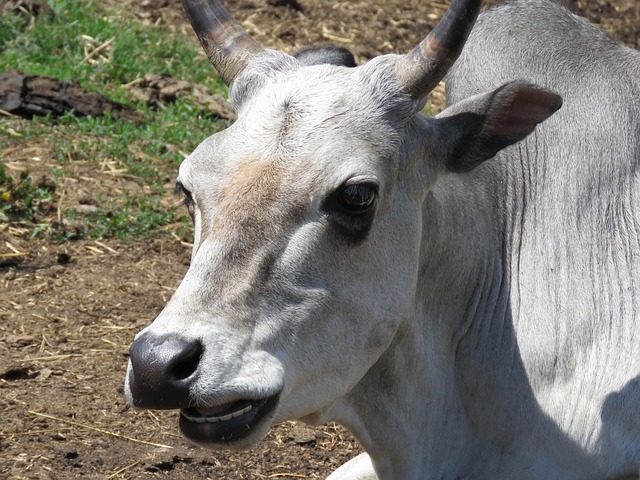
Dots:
pixel 298 129
pixel 315 106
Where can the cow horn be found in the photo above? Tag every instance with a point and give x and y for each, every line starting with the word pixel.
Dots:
pixel 422 68
pixel 225 42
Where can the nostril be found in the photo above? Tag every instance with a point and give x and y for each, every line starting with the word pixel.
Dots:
pixel 187 364
pixel 163 369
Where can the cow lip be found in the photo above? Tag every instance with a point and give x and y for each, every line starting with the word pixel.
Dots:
pixel 226 423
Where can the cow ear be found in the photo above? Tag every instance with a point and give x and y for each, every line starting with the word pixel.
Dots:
pixel 479 127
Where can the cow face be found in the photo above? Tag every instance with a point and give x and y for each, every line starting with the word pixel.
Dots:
pixel 306 238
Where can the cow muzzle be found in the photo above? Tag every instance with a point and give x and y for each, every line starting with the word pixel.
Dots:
pixel 164 370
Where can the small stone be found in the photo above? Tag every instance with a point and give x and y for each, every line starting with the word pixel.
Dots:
pixel 71 454
pixel 301 435
pixel 63 258
pixel 87 209
pixel 44 374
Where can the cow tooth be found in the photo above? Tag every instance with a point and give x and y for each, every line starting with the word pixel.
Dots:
pixel 223 418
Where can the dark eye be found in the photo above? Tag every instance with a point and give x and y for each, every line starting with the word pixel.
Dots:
pixel 351 209
pixel 357 198
pixel 188 198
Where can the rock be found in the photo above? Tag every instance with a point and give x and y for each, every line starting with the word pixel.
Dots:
pixel 30 95
pixel 301 434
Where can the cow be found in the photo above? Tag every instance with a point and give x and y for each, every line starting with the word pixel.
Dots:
pixel 460 292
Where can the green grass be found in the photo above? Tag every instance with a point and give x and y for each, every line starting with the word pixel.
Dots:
pixel 147 152
pixel 22 199
pixel 53 43
pixel 133 218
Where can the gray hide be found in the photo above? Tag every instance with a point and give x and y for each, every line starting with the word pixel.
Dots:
pixel 542 243
pixel 550 247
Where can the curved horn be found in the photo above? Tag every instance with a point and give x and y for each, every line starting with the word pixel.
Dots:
pixel 227 45
pixel 422 68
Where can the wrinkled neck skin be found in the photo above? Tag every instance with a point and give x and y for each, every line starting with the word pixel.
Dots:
pixel 442 402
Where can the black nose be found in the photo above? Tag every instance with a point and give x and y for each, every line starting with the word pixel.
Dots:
pixel 163 368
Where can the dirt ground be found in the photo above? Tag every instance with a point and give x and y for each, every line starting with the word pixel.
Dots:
pixel 68 312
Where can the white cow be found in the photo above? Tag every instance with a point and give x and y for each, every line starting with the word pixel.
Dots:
pixel 358 262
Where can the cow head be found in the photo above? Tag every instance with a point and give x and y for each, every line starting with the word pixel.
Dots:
pixel 307 214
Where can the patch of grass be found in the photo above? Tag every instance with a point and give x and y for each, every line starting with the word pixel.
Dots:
pixel 61 41
pixel 130 162
pixel 22 198
pixel 11 25
pixel 124 220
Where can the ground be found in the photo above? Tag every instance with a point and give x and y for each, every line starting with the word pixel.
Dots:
pixel 69 310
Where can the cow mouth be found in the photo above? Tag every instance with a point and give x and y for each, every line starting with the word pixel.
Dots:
pixel 226 423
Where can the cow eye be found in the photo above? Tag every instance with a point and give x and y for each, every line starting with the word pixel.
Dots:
pixel 357 198
pixel 351 209
pixel 188 198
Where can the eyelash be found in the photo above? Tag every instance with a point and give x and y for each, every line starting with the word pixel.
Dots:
pixel 188 199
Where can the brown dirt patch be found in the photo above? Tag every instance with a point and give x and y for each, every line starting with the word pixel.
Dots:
pixel 68 312
pixel 372 27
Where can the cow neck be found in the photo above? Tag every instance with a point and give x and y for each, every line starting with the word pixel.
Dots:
pixel 410 394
